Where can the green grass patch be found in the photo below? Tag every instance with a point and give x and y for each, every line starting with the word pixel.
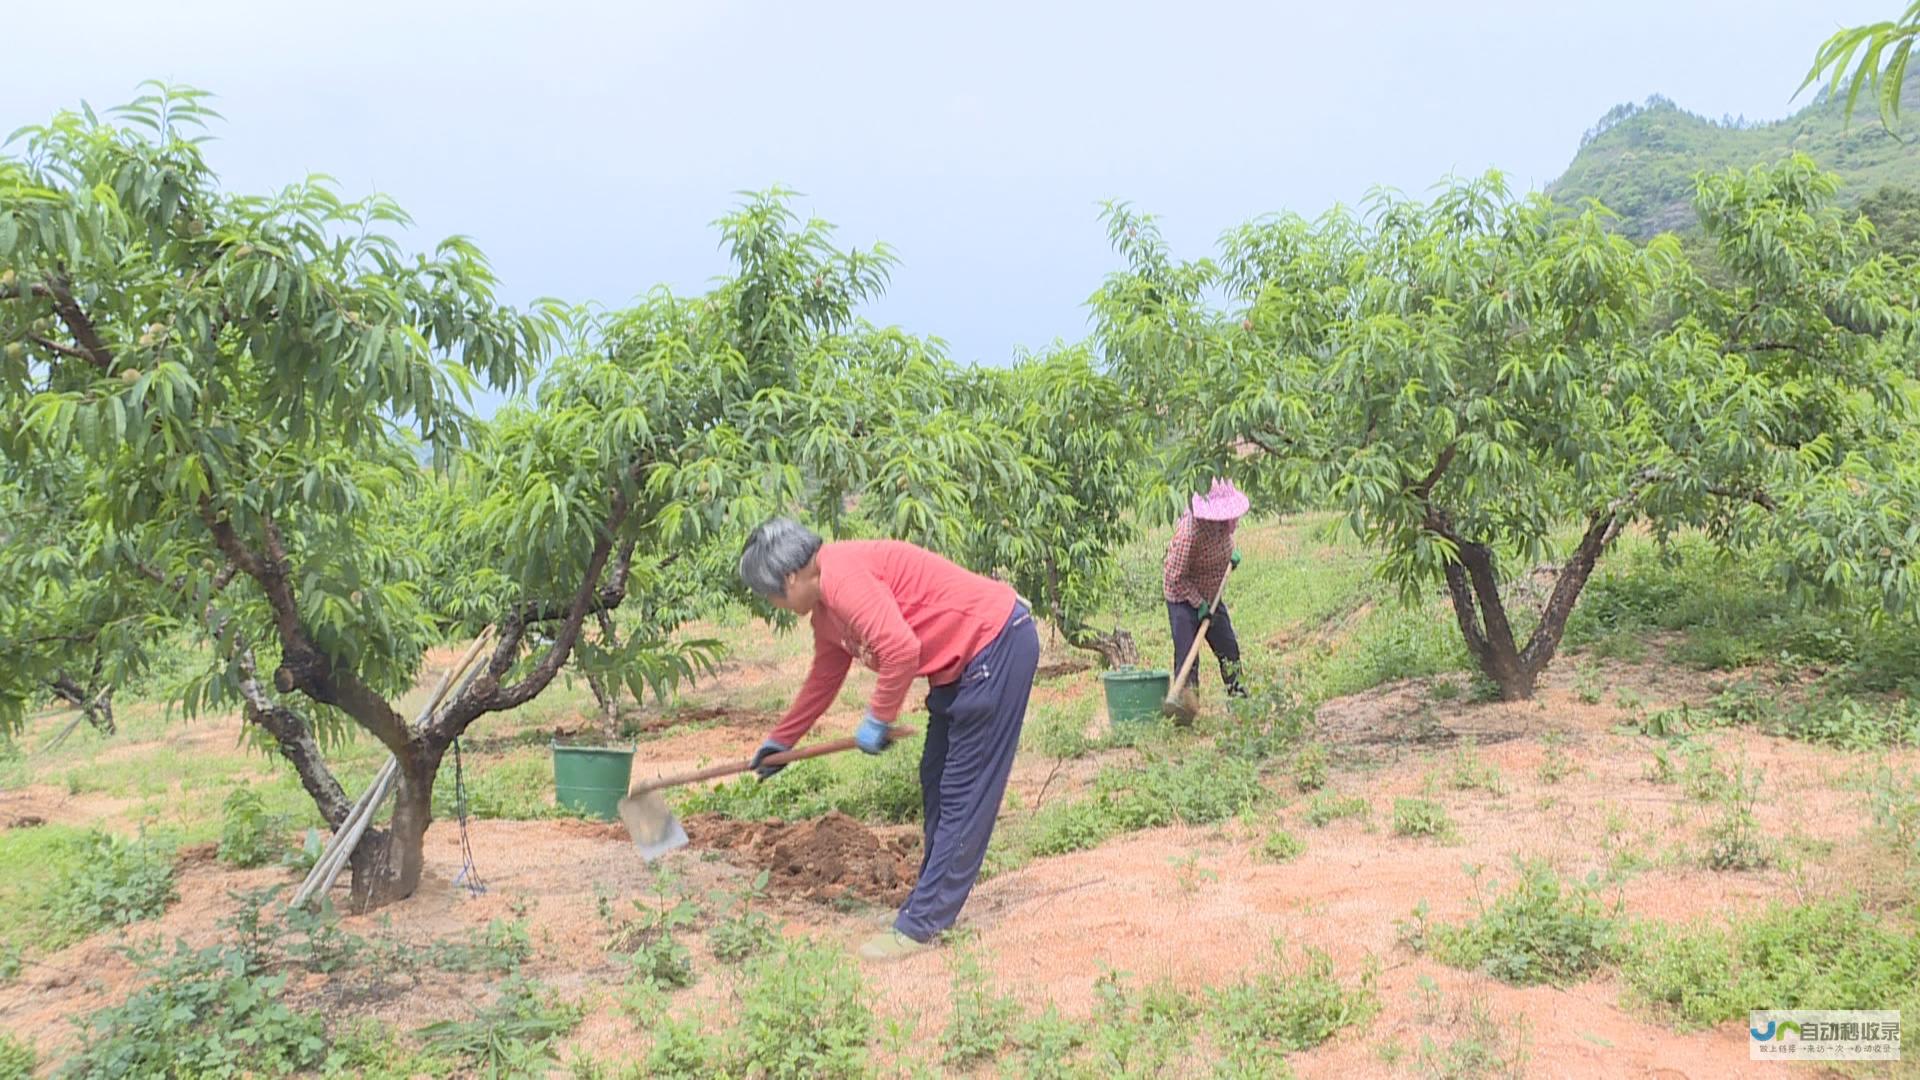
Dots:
pixel 1280 846
pixel 1287 1007
pixel 1831 954
pixel 1326 808
pixel 204 1012
pixel 1423 818
pixel 108 881
pixel 1542 930
pixel 17 1057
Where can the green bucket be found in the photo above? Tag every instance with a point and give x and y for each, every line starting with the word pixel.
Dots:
pixel 1134 696
pixel 592 779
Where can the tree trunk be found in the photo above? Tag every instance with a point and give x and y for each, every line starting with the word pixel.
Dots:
pixel 398 858
pixel 606 693
pixel 296 743
pixel 1475 590
pixel 96 707
pixel 1116 650
pixel 1601 532
pixel 1474 587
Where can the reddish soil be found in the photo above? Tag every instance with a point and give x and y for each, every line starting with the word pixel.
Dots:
pixel 1190 904
pixel 826 859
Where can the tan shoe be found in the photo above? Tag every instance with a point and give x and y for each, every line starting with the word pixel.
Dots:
pixel 892 945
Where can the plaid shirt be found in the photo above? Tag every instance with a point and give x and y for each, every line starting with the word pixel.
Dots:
pixel 1197 560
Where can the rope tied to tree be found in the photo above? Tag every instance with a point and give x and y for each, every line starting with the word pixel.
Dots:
pixel 469 873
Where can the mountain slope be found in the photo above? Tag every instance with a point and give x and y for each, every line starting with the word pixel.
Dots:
pixel 1640 160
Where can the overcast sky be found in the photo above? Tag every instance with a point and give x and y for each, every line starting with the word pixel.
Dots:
pixel 588 147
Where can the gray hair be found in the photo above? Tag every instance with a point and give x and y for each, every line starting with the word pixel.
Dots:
pixel 777 549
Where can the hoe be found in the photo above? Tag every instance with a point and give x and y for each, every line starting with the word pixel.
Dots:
pixel 654 829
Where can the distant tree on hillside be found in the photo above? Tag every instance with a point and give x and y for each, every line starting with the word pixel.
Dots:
pixel 1895 213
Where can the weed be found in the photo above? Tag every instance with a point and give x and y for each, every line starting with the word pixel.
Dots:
pixel 372 1050
pixel 653 952
pixel 1734 840
pixel 200 1013
pixel 247 831
pixel 1675 722
pixel 1421 817
pixel 1849 724
pixel 10 963
pixel 501 947
pixel 981 1024
pixel 1555 765
pixel 1047 1045
pixel 1287 1008
pixel 1482 690
pixel 1701 975
pixel 17 1057
pixel 803 1015
pixel 1281 846
pixel 1060 734
pixel 1661 769
pixel 1629 700
pixel 1327 807
pixel 1310 767
pixel 316 942
pixel 1588 685
pixel 1444 690
pixel 515 1034
pixel 1202 789
pixel 1138 1033
pixel 1189 874
pixel 114 882
pixel 1274 716
pixel 1468 771
pixel 743 931
pixel 1701 778
pixel 1542 931
pixel 683 1050
pixel 1479 1050
pixel 1894 801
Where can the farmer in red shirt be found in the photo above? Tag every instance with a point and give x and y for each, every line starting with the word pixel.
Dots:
pixel 906 613
pixel 1198 560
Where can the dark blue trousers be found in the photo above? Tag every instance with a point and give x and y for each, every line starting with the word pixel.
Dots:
pixel 1226 647
pixel 973 729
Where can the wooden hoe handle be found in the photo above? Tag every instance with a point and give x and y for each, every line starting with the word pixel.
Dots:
pixel 834 746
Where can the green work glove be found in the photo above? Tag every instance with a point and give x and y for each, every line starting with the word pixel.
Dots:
pixel 1203 610
pixel 1234 559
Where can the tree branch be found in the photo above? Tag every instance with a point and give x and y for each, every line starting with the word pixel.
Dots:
pixel 77 322
pixel 486 694
pixel 1758 496
pixel 303 666
pixel 294 737
pixel 1424 489
pixel 63 350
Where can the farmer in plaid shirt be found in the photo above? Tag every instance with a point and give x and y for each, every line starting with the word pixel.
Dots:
pixel 1198 561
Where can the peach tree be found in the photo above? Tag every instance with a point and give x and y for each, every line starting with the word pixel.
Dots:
pixel 1490 386
pixel 247 387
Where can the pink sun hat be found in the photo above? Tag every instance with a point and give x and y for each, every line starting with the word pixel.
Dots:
pixel 1223 502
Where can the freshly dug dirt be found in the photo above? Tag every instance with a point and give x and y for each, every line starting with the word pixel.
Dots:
pixel 826 859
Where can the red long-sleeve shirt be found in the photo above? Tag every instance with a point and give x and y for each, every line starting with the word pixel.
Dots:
pixel 905 612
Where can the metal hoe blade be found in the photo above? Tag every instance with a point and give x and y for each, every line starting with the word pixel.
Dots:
pixel 654 829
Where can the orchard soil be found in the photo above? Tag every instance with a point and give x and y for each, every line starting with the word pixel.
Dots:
pixel 1191 904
